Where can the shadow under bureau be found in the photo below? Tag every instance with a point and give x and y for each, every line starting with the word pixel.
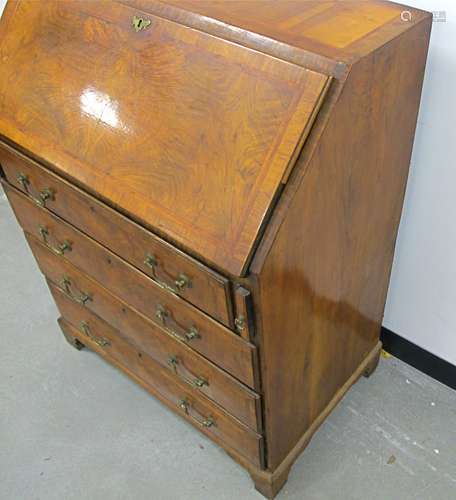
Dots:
pixel 212 191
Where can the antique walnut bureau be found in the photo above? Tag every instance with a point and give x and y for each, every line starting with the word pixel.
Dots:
pixel 213 190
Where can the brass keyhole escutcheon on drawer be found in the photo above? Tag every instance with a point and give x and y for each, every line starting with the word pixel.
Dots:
pixel 140 23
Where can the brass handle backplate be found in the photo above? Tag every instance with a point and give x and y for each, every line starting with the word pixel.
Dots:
pixel 101 341
pixel 43 196
pixel 166 318
pixel 198 382
pixel 58 250
pixel 204 422
pixel 81 298
pixel 179 284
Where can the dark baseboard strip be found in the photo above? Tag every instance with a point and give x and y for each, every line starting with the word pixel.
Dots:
pixel 419 358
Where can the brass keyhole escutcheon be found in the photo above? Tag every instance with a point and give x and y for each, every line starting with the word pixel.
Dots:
pixel 140 23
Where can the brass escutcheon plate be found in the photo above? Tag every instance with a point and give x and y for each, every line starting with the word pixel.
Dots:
pixel 140 23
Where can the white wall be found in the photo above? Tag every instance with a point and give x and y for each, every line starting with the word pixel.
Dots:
pixel 421 303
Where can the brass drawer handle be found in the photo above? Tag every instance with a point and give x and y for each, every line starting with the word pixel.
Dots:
pixel 101 341
pixel 179 284
pixel 166 317
pixel 43 196
pixel 59 250
pixel 198 382
pixel 205 422
pixel 80 298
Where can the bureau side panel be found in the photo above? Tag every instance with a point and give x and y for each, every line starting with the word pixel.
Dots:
pixel 321 290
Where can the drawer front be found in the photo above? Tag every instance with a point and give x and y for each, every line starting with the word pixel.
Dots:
pixel 184 364
pixel 209 418
pixel 219 345
pixel 216 341
pixel 171 269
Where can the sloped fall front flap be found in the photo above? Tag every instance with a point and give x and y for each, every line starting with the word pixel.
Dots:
pixel 186 132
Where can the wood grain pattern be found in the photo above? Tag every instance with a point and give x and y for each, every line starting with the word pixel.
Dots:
pixel 219 345
pixel 239 34
pixel 336 272
pixel 262 148
pixel 124 280
pixel 199 166
pixel 269 483
pixel 331 23
pixel 339 30
pixel 227 392
pixel 209 290
pixel 227 431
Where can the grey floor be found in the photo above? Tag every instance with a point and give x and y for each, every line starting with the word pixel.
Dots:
pixel 74 428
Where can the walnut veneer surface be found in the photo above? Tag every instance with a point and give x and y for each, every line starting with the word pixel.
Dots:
pixel 212 190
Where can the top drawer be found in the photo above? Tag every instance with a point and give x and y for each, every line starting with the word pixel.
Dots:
pixel 170 268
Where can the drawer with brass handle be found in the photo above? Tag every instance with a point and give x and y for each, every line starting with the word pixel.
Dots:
pixel 185 405
pixel 166 318
pixel 179 223
pixel 185 374
pixel 207 416
pixel 82 298
pixel 39 197
pixel 176 284
pixel 58 249
pixel 173 270
pixel 183 363
pixel 100 341
pixel 178 318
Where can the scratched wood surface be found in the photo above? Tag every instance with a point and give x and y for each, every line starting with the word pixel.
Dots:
pixel 192 136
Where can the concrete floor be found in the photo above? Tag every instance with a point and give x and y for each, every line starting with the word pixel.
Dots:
pixel 74 428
